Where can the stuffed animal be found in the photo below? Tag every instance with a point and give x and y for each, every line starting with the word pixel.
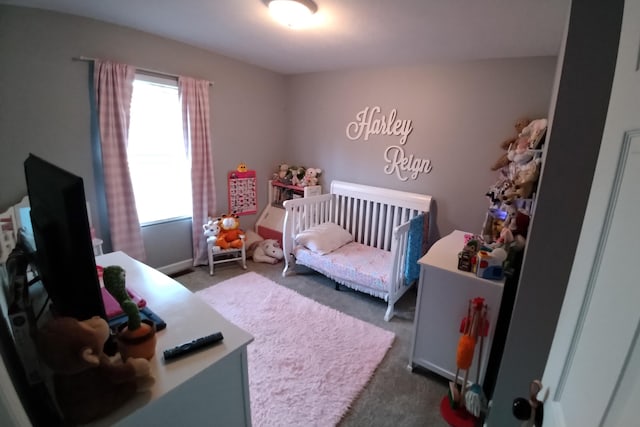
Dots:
pixel 524 182
pixel 281 174
pixel 311 177
pixel 267 251
pixel 211 228
pixel 507 144
pixel 534 132
pixel 519 152
pixel 211 231
pixel 498 191
pixel 230 235
pixel 87 383
pixel 297 174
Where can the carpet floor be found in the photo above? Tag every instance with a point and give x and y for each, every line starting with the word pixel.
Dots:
pixel 394 396
pixel 298 376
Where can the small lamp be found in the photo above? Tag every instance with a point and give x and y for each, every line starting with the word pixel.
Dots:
pixel 292 13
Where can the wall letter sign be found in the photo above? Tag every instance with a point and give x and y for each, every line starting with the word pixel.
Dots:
pixel 370 121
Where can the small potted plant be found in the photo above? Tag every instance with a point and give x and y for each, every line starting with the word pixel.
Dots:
pixel 136 337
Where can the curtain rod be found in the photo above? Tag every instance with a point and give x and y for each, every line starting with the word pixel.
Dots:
pixel 144 70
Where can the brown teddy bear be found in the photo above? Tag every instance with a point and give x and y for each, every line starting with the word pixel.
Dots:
pixel 88 384
pixel 507 144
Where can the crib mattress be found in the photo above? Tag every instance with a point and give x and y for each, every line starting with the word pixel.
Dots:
pixel 363 268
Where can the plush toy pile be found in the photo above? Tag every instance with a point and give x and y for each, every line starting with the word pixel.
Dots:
pixel 518 171
pixel 296 175
pixel 510 198
pixel 88 384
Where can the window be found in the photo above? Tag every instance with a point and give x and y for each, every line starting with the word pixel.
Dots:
pixel 159 165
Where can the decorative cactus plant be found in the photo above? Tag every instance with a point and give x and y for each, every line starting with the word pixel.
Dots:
pixel 114 278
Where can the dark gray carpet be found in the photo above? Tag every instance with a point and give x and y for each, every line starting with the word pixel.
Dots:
pixel 395 396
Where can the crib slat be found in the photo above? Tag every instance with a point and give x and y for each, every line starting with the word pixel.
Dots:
pixel 367 221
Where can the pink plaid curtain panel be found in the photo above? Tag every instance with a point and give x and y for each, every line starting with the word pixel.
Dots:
pixel 114 86
pixel 194 96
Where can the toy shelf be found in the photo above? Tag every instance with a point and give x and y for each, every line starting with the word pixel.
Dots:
pixel 279 192
pixel 269 224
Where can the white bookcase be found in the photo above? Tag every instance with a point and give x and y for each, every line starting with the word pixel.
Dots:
pixel 269 224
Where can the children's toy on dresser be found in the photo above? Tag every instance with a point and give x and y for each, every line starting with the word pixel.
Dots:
pixel 489 263
pixel 467 254
pixel 137 336
pixel 87 383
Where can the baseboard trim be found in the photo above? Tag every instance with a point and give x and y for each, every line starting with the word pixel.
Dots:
pixel 176 267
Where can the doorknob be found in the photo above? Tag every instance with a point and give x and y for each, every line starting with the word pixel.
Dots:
pixel 530 410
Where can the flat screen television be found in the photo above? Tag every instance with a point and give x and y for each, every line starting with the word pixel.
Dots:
pixel 64 250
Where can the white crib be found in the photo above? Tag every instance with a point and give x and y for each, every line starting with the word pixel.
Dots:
pixel 377 218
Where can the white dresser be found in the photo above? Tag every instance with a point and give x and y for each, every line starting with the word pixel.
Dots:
pixel 208 387
pixel 443 296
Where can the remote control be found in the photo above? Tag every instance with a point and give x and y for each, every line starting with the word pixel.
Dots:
pixel 189 347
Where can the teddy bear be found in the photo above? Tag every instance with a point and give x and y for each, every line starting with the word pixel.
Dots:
pixel 267 251
pixel 508 143
pixel 87 383
pixel 230 235
pixel 281 174
pixel 311 177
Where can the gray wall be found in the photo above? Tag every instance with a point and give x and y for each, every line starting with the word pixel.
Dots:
pixel 44 101
pixel 460 113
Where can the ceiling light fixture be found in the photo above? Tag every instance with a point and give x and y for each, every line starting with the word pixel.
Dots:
pixel 292 13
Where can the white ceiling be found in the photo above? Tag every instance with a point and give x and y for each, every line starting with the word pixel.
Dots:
pixel 349 34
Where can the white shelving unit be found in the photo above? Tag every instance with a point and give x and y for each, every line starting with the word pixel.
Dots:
pixel 269 224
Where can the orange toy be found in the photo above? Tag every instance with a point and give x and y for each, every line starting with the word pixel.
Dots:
pixel 473 326
pixel 230 232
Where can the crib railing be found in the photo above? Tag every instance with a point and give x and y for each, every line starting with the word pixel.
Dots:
pixel 370 214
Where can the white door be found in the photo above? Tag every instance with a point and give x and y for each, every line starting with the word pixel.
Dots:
pixel 593 370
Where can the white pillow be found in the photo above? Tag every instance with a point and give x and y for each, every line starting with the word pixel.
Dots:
pixel 324 238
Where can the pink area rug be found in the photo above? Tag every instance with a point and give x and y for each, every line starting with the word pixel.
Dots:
pixel 308 362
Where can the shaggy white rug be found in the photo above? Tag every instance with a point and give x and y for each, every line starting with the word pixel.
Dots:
pixel 308 362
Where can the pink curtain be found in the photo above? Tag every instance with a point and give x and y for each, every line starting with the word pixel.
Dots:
pixel 194 95
pixel 114 86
